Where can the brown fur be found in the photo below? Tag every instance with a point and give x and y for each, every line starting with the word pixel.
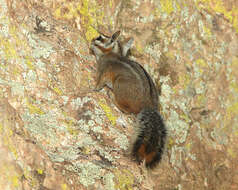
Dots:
pixel 134 92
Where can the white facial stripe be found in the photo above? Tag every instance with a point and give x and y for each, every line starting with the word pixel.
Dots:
pixel 104 37
pixel 102 41
pixel 106 44
pixel 99 43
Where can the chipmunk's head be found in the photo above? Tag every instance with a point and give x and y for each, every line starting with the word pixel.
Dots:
pixel 109 44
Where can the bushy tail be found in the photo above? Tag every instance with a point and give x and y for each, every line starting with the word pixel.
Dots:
pixel 150 142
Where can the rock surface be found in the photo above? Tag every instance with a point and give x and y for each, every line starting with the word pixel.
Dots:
pixel 55 133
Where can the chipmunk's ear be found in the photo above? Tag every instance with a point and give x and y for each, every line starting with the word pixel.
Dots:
pixel 126 46
pixel 115 36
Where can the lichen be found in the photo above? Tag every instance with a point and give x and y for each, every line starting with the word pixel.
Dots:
pixel 11 176
pixel 124 179
pixel 109 182
pixel 87 12
pixel 218 7
pixel 178 127
pixel 106 154
pixel 89 172
pixel 200 46
pixel 65 187
pixel 108 112
pixel 120 139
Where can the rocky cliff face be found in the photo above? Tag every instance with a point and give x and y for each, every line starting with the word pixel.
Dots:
pixel 58 134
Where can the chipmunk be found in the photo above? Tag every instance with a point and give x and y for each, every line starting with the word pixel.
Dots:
pixel 134 92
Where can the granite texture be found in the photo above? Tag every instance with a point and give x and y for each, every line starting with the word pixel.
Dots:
pixel 56 133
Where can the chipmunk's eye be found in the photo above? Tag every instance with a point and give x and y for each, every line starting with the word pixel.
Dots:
pixel 99 38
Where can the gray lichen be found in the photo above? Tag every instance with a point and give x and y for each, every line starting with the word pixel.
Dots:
pixel 88 173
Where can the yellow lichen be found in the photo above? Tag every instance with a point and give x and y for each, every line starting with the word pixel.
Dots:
pixel 235 20
pixel 70 127
pixel 139 47
pixel 234 86
pixel 15 181
pixel 234 62
pixel 29 63
pixel 91 17
pixel 184 80
pixel 1 128
pixel 218 7
pixel 10 175
pixel 86 10
pixel 188 146
pixel 110 3
pixel 64 186
pixel 156 12
pixel 202 65
pixel 200 100
pixel 231 153
pixel 207 31
pixel 39 171
pixel 7 139
pixel 58 91
pixel 34 109
pixel 91 33
pixel 108 112
pixel 14 31
pixel 167 6
pixel 185 117
pixel 171 143
pixel 231 112
pixel 86 150
pixel 125 179
pixel 233 109
pixel 30 178
pixel 8 48
pixel 169 55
